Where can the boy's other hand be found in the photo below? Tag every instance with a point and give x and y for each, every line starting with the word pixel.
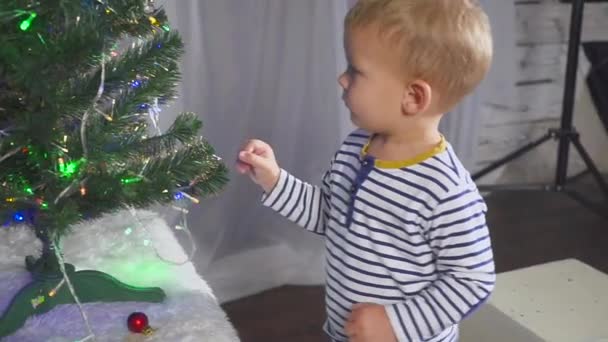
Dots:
pixel 257 159
pixel 369 323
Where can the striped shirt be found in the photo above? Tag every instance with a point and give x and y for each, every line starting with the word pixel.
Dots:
pixel 411 236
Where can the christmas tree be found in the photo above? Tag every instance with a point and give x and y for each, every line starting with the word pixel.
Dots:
pixel 80 86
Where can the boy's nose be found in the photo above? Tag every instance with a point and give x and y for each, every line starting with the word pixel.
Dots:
pixel 343 81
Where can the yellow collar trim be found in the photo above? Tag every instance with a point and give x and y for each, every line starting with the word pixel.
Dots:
pixel 398 164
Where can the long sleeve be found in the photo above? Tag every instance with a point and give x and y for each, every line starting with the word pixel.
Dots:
pixel 302 203
pixel 460 240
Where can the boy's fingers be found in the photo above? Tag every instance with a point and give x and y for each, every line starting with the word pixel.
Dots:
pixel 350 331
pixel 256 146
pixel 250 146
pixel 252 159
pixel 242 167
pixel 244 157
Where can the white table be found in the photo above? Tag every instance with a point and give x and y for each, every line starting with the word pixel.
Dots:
pixel 560 301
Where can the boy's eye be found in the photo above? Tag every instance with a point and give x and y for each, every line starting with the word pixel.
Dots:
pixel 351 70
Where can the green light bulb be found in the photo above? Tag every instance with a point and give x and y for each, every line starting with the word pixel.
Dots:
pixel 26 23
pixel 131 180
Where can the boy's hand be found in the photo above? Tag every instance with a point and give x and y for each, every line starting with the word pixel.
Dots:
pixel 369 323
pixel 257 160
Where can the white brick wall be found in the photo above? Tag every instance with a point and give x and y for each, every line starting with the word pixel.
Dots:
pixel 542 36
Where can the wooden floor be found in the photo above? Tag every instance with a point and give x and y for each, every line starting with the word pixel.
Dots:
pixel 526 229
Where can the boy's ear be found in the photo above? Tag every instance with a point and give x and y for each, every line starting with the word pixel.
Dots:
pixel 417 97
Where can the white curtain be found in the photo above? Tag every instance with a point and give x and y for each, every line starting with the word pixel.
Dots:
pixel 265 69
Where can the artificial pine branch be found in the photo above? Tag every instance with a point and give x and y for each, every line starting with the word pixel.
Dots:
pixel 125 165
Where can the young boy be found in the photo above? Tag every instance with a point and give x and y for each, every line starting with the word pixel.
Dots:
pixel 407 247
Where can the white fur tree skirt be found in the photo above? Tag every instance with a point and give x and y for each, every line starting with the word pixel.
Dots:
pixel 190 312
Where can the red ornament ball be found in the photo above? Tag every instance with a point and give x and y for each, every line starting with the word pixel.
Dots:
pixel 137 322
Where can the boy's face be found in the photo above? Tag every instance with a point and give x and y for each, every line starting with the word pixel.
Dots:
pixel 372 87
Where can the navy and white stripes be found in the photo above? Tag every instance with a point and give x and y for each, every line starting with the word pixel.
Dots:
pixel 412 238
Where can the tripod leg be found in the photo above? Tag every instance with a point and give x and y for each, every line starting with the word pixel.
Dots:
pixel 511 156
pixel 591 165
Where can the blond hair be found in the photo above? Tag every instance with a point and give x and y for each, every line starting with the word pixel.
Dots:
pixel 447 43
